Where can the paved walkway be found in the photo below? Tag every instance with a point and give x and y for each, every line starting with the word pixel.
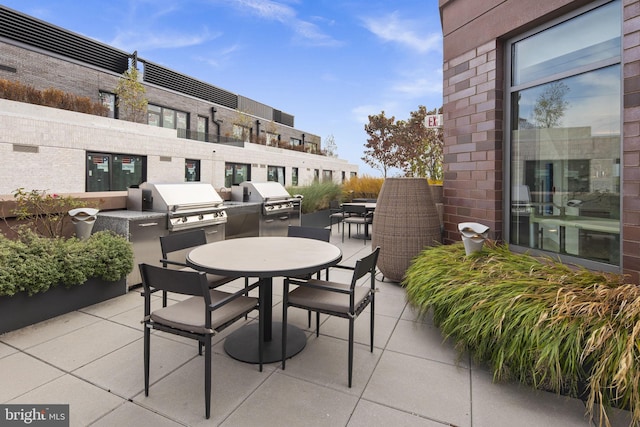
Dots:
pixel 91 359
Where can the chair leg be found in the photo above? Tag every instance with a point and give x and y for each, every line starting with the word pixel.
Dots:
pixel 317 324
pixel 351 322
pixel 373 306
pixel 285 306
pixel 207 375
pixel 147 342
pixel 246 285
pixel 309 318
pixel 260 332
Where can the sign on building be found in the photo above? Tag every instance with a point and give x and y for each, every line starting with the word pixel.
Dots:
pixel 433 121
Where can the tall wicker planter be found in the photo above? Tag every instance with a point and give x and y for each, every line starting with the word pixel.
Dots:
pixel 404 223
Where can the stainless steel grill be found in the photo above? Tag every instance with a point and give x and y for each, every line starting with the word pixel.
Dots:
pixel 188 205
pixel 279 209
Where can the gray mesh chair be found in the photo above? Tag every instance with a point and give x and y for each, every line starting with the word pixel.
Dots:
pixel 199 317
pixel 175 247
pixel 358 215
pixel 323 234
pixel 333 298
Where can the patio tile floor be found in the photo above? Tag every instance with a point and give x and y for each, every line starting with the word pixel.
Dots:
pixel 91 359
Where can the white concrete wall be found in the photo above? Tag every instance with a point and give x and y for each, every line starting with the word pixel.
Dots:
pixel 45 149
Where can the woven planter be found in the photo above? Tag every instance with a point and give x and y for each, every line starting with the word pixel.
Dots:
pixel 404 223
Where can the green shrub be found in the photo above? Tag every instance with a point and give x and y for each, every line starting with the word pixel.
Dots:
pixel 317 196
pixel 536 321
pixel 33 263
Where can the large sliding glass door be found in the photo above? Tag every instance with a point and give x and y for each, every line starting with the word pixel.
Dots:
pixel 564 99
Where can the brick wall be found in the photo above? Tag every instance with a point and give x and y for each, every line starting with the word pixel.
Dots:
pixel 43 71
pixel 631 141
pixel 473 122
pixel 473 140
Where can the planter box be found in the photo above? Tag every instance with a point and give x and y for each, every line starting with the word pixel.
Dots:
pixel 22 310
pixel 318 219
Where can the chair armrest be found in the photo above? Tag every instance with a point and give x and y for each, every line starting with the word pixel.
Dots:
pixel 166 261
pixel 344 267
pixel 233 296
pixel 321 284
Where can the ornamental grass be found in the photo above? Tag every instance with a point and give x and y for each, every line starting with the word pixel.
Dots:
pixel 535 320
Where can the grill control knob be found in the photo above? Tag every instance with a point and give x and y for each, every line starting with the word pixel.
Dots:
pixel 184 219
pixel 200 217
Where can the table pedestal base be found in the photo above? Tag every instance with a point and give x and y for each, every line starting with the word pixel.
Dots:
pixel 242 344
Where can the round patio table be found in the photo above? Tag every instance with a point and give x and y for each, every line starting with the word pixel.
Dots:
pixel 264 258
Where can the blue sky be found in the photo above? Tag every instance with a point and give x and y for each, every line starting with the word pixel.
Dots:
pixel 330 63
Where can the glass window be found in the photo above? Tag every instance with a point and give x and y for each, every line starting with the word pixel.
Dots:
pixel 584 40
pixel 272 139
pixel 202 128
pixel 294 176
pixel 316 175
pixel 114 172
pixel 243 133
pixel 167 117
pixel 235 173
pixel 565 142
pixel 182 119
pixel 153 115
pixel 295 142
pixel 327 175
pixel 191 170
pixel 276 173
pixel 109 100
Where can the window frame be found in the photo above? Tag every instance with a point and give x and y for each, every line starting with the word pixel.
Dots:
pixel 510 89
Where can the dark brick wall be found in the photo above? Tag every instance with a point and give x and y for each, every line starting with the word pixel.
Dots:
pixel 631 141
pixel 473 140
pixel 473 113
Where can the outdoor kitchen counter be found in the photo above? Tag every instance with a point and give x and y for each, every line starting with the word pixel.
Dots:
pixel 118 221
pixel 243 219
pixel 143 229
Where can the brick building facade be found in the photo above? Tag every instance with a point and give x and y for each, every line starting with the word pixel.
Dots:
pixel 487 81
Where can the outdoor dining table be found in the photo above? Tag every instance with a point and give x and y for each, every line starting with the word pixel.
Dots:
pixel 264 258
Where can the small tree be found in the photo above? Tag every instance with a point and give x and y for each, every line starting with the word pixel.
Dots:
pixel 420 148
pixel 132 104
pixel 551 105
pixel 330 147
pixel 381 151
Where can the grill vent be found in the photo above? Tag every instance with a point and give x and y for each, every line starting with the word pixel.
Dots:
pixel 161 76
pixel 31 31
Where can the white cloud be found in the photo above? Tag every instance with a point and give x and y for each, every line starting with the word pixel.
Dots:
pixel 306 32
pixel 148 40
pixel 391 28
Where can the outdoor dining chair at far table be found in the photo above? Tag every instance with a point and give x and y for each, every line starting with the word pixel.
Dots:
pixel 264 258
pixel 358 213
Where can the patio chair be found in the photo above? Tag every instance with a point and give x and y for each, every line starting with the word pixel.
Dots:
pixel 336 213
pixel 336 299
pixel 199 317
pixel 175 247
pixel 323 234
pixel 358 215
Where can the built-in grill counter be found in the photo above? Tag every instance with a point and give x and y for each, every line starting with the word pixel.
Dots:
pixel 157 209
pixel 278 209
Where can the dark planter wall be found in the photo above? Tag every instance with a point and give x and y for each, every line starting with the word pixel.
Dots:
pixel 22 310
pixel 318 219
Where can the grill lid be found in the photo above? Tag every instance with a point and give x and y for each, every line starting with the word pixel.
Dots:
pixel 183 197
pixel 266 191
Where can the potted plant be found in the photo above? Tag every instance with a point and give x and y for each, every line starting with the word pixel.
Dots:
pixel 44 274
pixel 537 321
